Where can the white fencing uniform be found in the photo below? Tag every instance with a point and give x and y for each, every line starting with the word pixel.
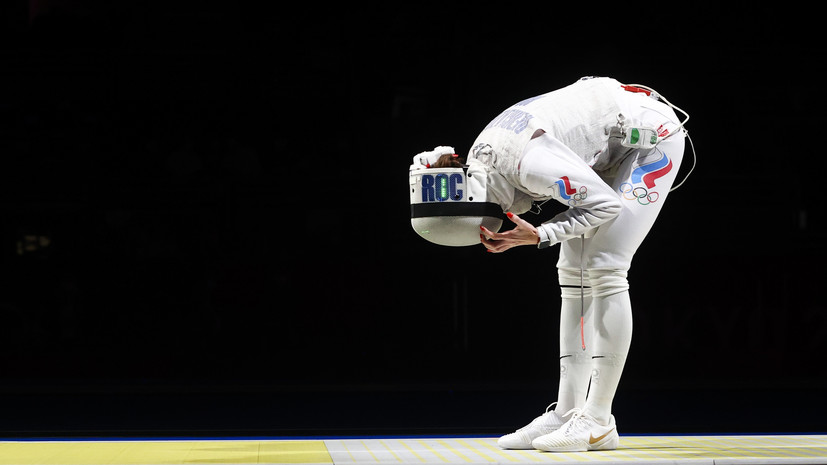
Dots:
pixel 558 146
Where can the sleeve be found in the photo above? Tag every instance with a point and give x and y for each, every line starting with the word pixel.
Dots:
pixel 499 190
pixel 550 169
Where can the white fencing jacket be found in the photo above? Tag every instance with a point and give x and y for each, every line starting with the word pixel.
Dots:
pixel 550 146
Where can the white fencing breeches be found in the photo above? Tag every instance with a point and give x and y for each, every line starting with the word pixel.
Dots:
pixel 642 181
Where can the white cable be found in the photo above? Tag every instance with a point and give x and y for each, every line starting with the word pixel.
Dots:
pixel 679 128
pixel 694 161
pixel 671 105
pixel 582 292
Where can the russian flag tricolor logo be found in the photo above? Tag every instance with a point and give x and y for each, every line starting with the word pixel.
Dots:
pixel 646 174
pixel 571 195
pixel 566 191
pixel 649 172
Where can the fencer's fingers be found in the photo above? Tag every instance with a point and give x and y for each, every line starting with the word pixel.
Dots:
pixel 500 242
pixel 490 234
pixel 500 247
pixel 485 232
pixel 496 245
pixel 519 221
pixel 490 244
pixel 524 225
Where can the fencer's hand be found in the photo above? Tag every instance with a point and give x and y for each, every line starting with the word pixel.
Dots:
pixel 522 234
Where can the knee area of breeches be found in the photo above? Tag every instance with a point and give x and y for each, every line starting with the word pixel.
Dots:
pixel 608 282
pixel 570 283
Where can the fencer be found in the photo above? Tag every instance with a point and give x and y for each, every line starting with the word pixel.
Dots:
pixel 611 153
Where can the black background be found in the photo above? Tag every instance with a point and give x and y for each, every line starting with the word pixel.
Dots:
pixel 205 224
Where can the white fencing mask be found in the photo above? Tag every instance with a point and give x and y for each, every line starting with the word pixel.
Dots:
pixel 448 205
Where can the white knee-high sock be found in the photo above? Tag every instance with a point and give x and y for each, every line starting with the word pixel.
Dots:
pixel 575 363
pixel 612 318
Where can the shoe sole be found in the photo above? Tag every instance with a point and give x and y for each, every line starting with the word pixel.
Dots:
pixel 609 443
pixel 516 445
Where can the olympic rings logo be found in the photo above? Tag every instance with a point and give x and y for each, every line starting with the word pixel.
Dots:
pixel 576 198
pixel 641 194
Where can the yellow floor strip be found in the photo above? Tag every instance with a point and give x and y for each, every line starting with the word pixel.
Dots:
pixel 433 451
pixel 530 456
pixel 162 452
pixel 349 453
pixel 453 450
pixel 496 450
pixel 371 452
pixel 697 450
pixel 404 444
pixel 398 459
pixel 475 450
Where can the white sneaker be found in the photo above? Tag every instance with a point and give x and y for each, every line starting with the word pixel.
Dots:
pixel 581 433
pixel 540 426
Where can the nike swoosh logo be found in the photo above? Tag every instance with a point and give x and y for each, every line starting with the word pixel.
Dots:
pixel 593 439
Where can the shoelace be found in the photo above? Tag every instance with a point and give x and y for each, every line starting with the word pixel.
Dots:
pixel 577 415
pixel 540 418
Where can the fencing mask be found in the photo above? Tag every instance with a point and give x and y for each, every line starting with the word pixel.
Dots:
pixel 448 205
